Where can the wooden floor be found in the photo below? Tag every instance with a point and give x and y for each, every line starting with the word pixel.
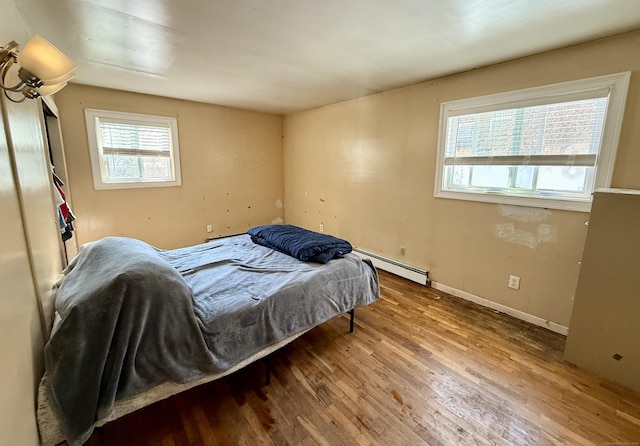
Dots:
pixel 422 367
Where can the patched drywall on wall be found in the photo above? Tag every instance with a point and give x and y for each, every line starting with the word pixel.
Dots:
pixel 524 213
pixel 509 232
pixel 278 220
pixel 528 229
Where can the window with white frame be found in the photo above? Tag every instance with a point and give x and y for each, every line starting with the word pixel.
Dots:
pixel 548 146
pixel 133 150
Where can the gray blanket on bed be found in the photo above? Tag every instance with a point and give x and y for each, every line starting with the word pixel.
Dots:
pixel 134 316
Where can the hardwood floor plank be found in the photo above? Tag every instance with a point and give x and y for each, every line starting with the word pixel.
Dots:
pixel 422 367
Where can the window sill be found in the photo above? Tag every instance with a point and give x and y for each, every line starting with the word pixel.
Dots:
pixel 578 205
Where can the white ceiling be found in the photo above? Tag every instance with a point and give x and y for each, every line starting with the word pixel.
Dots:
pixel 287 55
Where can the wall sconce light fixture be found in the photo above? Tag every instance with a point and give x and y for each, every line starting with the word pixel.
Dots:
pixel 43 69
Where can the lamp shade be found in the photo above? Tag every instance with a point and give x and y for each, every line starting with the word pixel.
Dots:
pixel 46 62
pixel 61 79
pixel 50 89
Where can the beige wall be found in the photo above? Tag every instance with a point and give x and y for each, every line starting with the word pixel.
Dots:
pixel 605 318
pixel 231 171
pixel 29 253
pixel 365 169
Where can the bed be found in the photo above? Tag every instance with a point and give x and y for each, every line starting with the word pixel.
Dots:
pixel 137 324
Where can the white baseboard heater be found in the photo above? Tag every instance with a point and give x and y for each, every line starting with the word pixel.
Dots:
pixel 422 277
pixel 395 267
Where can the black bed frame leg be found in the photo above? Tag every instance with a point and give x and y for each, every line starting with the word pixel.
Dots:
pixel 267 370
pixel 352 315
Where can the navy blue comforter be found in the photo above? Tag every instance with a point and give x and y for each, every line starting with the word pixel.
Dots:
pixel 300 243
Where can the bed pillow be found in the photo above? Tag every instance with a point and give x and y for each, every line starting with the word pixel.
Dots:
pixel 305 245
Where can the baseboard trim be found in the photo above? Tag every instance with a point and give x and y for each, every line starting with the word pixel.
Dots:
pixel 535 320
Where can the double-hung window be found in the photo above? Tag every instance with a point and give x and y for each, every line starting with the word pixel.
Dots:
pixel 132 150
pixel 547 146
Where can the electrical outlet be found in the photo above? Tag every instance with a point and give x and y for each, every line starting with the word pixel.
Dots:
pixel 514 282
pixel 403 251
pixel 321 227
pixel 209 228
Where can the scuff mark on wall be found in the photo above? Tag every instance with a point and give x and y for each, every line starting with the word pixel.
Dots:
pixel 524 214
pixel 509 233
pixel 278 203
pixel 277 221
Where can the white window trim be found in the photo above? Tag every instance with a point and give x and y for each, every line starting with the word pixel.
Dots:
pixel 617 84
pixel 97 163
